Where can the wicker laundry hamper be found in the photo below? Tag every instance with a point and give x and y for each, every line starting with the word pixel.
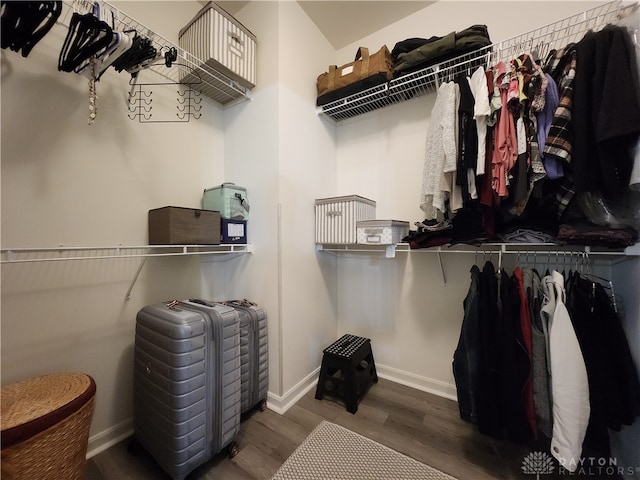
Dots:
pixel 45 427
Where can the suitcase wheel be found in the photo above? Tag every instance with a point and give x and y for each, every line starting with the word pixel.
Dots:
pixel 263 405
pixel 233 449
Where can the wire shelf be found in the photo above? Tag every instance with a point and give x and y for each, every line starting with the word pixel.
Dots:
pixel 186 68
pixel 541 40
pixel 66 253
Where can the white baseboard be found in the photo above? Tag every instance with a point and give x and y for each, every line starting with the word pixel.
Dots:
pixel 107 438
pixel 280 404
pixel 425 384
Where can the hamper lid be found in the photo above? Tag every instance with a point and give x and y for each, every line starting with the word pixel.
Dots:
pixel 382 223
pixel 221 11
pixel 346 198
pixel 31 406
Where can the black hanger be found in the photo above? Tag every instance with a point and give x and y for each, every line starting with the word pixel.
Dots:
pixel 141 50
pixel 170 56
pixel 24 24
pixel 87 36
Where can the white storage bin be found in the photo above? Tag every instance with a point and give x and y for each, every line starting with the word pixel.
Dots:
pixel 223 43
pixel 381 232
pixel 336 218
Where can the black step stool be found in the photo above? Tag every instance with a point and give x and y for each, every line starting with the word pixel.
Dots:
pixel 347 370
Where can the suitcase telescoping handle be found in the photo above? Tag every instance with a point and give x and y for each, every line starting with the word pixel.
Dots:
pixel 243 303
pixel 202 302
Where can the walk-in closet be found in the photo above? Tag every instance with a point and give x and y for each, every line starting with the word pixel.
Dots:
pixel 89 146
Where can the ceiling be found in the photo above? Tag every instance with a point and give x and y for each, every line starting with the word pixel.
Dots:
pixel 343 22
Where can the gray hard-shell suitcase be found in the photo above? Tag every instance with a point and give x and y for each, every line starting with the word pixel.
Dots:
pixel 186 383
pixel 254 353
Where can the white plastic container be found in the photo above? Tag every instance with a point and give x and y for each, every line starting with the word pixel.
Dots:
pixel 336 218
pixel 381 232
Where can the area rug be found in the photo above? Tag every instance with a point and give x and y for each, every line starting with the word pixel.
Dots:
pixel 332 452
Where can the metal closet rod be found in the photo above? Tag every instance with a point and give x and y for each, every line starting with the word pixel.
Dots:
pixel 488 249
pixel 473 249
pixel 579 252
pixel 565 249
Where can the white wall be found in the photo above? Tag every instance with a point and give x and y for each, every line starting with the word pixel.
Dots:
pixel 287 157
pixel 307 170
pixel 251 160
pixel 65 182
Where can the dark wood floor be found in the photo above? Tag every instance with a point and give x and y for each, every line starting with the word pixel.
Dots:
pixel 418 424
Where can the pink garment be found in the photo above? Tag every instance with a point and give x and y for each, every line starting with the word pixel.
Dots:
pixel 505 150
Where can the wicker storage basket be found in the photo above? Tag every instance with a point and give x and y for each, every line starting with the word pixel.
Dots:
pixel 45 427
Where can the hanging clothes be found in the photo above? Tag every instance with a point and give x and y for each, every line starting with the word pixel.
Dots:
pixel 467 142
pixel 516 365
pixel 634 180
pixel 569 382
pixel 481 112
pixel 527 338
pixel 490 390
pixel 607 120
pixel 541 130
pixel 489 405
pixel 544 116
pixel 614 388
pixel 466 356
pixel 559 143
pixel 505 147
pixel 589 335
pixel 440 154
pixel 540 368
pixel 537 358
pixel 448 183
